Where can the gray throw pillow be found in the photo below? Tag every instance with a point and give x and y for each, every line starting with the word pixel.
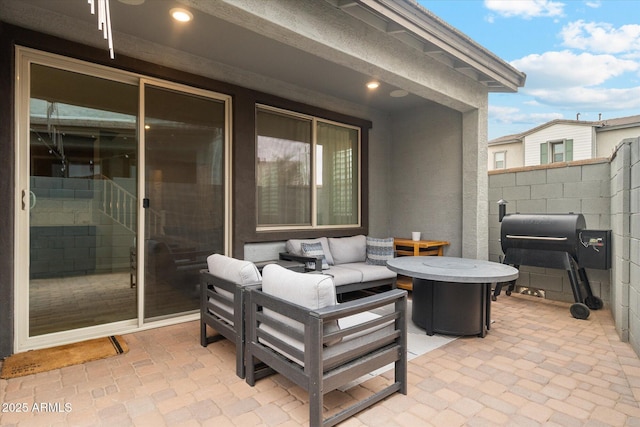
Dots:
pixel 379 251
pixel 314 250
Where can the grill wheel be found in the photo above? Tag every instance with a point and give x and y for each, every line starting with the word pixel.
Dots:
pixel 579 311
pixel 593 302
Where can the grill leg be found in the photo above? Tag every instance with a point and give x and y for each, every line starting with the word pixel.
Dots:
pixel 575 285
pixel 592 301
pixel 498 288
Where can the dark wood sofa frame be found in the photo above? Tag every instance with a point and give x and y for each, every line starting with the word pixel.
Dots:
pixel 214 315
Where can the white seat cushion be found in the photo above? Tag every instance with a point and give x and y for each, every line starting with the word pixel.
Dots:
pixel 344 276
pixel 370 272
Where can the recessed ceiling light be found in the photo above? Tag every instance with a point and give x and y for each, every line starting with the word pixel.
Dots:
pixel 181 15
pixel 132 2
pixel 398 93
pixel 373 85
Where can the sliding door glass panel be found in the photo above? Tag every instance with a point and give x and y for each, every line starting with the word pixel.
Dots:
pixel 337 174
pixel 185 195
pixel 82 204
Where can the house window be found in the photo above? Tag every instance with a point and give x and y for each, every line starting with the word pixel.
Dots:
pixel 556 151
pixel 500 160
pixel 307 171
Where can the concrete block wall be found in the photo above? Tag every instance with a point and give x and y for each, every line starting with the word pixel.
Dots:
pixel 625 214
pixel 580 187
pixel 634 245
pixel 70 234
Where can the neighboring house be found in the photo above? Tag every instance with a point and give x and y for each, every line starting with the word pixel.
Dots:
pixel 251 124
pixel 561 141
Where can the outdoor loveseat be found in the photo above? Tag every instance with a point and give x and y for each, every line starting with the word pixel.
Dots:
pixel 355 263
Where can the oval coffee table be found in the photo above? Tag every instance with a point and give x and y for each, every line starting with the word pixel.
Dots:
pixel 452 295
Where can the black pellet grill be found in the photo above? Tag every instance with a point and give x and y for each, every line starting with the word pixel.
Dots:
pixel 558 241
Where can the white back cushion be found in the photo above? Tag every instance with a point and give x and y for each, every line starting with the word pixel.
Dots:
pixel 348 249
pixel 234 270
pixel 308 290
pixel 294 246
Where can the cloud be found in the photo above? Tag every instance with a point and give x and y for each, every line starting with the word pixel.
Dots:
pixel 589 99
pixel 526 9
pixel 513 115
pixel 601 37
pixel 552 70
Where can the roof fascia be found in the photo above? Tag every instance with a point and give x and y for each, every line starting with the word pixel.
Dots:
pixel 441 41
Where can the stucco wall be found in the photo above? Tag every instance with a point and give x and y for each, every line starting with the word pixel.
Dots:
pixel 426 176
pixel 514 155
pixel 608 139
pixel 580 187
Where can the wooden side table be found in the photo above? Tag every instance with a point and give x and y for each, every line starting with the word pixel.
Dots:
pixel 409 247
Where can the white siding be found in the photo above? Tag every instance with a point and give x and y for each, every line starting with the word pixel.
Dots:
pixel 582 135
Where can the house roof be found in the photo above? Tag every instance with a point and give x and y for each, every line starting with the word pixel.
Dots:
pixel 617 123
pixel 599 125
pixel 417 26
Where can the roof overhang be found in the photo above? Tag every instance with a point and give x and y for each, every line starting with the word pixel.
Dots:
pixel 417 27
pixel 239 38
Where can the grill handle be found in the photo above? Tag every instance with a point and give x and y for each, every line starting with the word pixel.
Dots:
pixel 553 239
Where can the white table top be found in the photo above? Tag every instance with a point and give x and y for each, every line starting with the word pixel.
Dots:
pixel 450 269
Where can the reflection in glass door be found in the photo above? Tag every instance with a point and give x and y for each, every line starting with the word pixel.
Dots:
pixel 82 200
pixel 114 219
pixel 184 196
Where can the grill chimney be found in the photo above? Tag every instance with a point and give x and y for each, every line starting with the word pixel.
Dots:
pixel 502 209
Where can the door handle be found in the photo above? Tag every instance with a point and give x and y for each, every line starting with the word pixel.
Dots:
pixel 32 200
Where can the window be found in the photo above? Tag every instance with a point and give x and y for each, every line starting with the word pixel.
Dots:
pixel 556 151
pixel 499 160
pixel 307 171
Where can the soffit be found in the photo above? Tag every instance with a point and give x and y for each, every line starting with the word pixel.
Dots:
pixel 221 41
pixel 429 35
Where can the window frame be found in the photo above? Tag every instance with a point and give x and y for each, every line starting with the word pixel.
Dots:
pixel 314 120
pixel 547 151
pixel 553 145
pixel 504 159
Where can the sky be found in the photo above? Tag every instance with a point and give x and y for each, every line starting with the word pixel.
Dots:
pixel 580 56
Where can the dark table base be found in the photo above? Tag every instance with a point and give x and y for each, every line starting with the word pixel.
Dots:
pixel 452 308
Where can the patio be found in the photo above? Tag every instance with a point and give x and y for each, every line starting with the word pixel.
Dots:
pixel 537 366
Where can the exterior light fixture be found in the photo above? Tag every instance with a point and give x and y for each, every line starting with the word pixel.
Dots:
pixel 373 85
pixel 181 15
pixel 104 21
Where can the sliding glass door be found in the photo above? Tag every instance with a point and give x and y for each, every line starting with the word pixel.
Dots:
pixel 82 200
pixel 184 196
pixel 122 194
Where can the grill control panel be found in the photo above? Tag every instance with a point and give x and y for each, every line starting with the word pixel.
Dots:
pixel 594 249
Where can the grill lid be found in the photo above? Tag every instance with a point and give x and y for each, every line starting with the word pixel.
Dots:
pixel 547 232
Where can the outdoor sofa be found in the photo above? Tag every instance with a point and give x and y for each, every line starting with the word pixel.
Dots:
pixel 355 263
